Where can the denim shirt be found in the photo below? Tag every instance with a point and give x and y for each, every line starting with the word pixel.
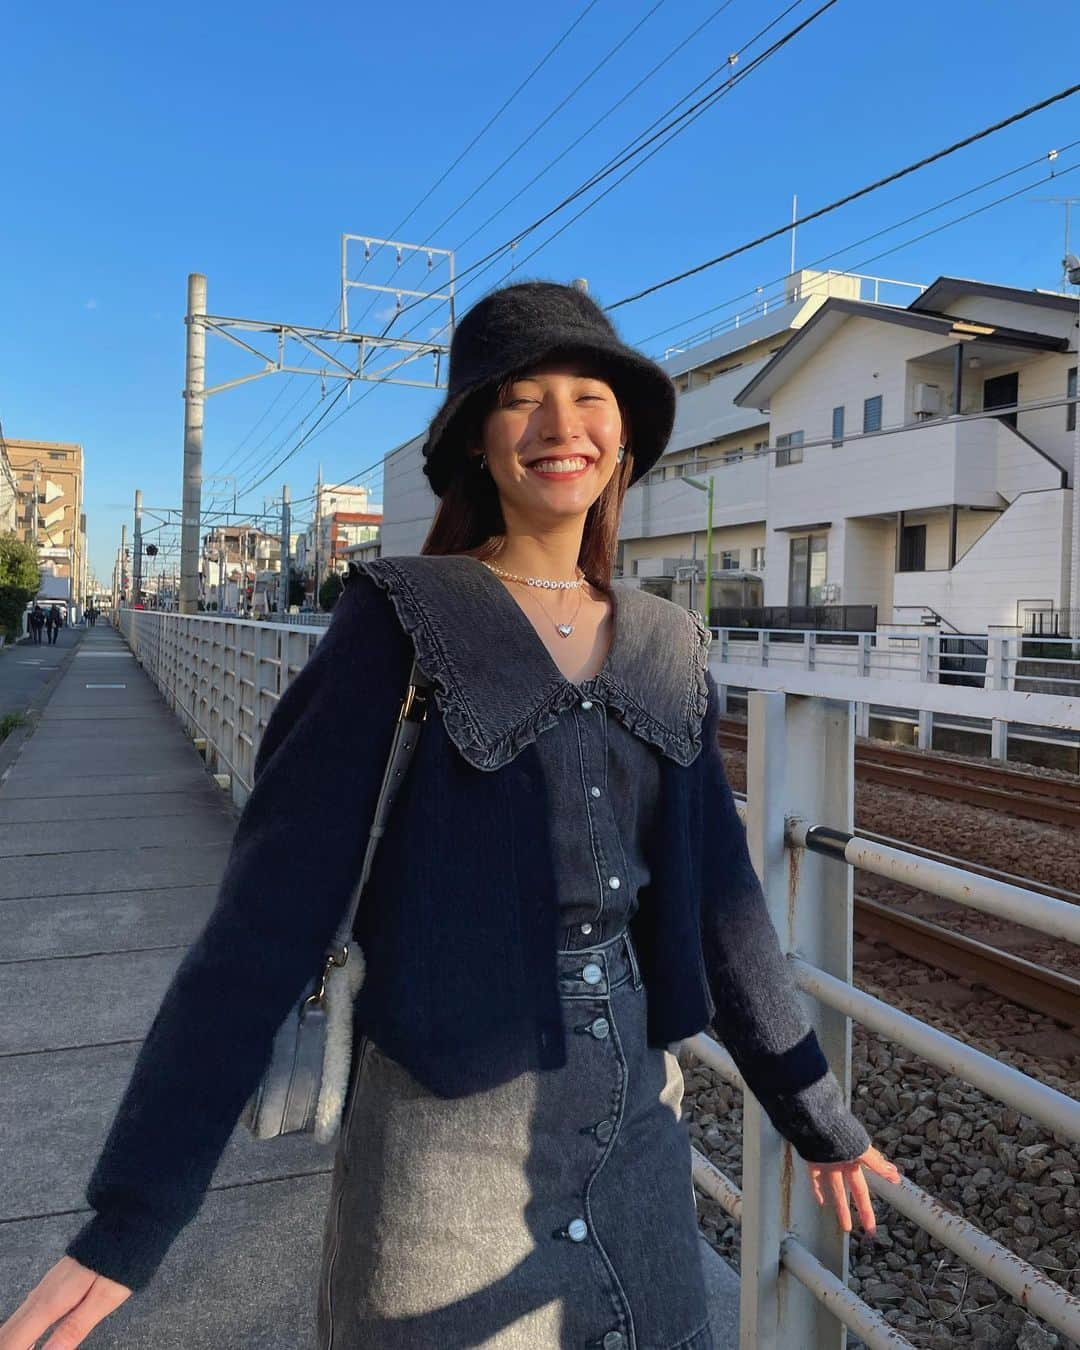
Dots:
pixel 601 774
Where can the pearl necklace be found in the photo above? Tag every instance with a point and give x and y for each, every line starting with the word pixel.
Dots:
pixel 563 629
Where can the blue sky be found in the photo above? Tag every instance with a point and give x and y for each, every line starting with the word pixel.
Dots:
pixel 142 143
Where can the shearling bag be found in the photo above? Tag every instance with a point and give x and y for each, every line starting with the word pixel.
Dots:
pixel 306 1081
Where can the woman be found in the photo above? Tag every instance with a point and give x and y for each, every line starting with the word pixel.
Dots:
pixel 563 893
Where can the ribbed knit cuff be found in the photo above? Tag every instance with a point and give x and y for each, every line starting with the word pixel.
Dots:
pixel 122 1248
pixel 818 1124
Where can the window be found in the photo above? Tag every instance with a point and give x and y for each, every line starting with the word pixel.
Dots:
pixel 656 475
pixel 1070 392
pixel 913 549
pixel 58 454
pixel 760 446
pixel 729 559
pixel 734 456
pixel 871 413
pixel 757 558
pixel 838 424
pixel 789 448
pixel 807 569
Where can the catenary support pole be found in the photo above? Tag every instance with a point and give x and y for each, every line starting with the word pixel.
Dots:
pixel 136 554
pixel 194 401
pixel 283 576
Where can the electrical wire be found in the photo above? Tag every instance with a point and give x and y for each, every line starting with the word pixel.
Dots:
pixel 835 253
pixel 854 196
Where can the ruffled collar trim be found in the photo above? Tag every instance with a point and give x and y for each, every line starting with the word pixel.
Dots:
pixel 469 634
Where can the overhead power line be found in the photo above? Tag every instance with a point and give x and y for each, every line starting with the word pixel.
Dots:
pixel 854 196
pixel 857 243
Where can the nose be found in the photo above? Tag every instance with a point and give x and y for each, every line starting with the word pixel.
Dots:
pixel 559 418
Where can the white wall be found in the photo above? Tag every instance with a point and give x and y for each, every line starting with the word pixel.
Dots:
pixel 408 501
pixel 1019 558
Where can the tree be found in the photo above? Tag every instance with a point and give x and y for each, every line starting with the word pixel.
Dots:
pixel 20 578
pixel 330 590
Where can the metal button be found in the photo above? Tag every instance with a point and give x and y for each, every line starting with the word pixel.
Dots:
pixel 614 883
pixel 600 1028
pixel 586 928
pixel 604 1131
pixel 592 974
pixel 614 1340
pixel 577 1230
pixel 594 792
pixel 586 703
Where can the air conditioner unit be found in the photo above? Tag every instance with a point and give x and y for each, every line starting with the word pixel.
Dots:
pixel 927 402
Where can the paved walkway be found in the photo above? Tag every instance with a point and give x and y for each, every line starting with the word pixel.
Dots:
pixel 113 839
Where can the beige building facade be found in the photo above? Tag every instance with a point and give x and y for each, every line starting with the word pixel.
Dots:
pixel 51 473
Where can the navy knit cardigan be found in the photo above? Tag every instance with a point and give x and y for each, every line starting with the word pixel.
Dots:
pixel 464 994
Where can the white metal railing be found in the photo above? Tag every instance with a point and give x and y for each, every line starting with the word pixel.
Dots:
pixel 223 677
pixel 902 670
pixel 794 1262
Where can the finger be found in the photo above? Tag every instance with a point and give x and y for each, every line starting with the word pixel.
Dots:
pixel 59 1290
pixel 815 1186
pixel 105 1296
pixel 839 1199
pixel 878 1163
pixel 864 1207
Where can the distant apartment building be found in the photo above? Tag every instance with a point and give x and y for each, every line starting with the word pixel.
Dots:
pixel 343 517
pixel 858 459
pixel 50 475
pixel 232 558
pixel 8 493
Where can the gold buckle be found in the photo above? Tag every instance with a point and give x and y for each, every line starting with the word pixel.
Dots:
pixel 412 694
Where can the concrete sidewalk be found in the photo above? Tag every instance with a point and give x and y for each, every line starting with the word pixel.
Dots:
pixel 113 838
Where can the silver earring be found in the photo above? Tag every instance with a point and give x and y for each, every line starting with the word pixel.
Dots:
pixel 619 456
pixel 483 463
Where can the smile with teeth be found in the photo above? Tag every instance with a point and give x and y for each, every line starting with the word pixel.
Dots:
pixel 573 464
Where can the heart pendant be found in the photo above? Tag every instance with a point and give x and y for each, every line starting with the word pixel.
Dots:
pixel 565 628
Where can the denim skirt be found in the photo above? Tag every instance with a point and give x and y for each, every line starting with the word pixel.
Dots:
pixel 553 1212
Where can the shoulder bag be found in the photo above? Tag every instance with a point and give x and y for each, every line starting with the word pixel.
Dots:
pixel 304 1086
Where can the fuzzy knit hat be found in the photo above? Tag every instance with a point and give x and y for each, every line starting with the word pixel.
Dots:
pixel 518 327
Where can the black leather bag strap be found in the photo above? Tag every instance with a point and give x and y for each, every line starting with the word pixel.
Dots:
pixel 413 711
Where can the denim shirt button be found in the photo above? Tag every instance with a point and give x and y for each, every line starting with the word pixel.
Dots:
pixel 586 703
pixel 592 974
pixel 614 883
pixel 604 1131
pixel 586 928
pixel 577 1230
pixel 614 1340
pixel 594 792
pixel 600 1028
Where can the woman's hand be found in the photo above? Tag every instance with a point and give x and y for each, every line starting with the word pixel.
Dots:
pixel 70 1295
pixel 834 1180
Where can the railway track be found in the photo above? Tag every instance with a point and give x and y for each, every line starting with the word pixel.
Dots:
pixel 1053 801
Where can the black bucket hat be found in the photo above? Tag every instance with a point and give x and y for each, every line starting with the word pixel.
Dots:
pixel 518 327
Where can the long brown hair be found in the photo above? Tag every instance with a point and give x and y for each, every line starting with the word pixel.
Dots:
pixel 469 516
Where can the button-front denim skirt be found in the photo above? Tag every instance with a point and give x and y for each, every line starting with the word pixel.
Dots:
pixel 553 1212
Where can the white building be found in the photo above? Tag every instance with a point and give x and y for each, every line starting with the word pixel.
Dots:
pixel 840 475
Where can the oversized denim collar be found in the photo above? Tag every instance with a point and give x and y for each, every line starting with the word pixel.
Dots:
pixel 498 688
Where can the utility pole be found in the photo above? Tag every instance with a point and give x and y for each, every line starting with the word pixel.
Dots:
pixel 123 560
pixel 318 539
pixel 1071 265
pixel 136 580
pixel 194 401
pixel 286 524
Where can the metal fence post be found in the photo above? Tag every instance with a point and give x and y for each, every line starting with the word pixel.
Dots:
pixel 800 763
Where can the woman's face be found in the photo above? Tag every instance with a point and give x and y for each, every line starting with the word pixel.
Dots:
pixel 551 443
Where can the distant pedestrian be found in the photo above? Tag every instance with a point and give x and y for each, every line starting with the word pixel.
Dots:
pixel 53 623
pixel 37 623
